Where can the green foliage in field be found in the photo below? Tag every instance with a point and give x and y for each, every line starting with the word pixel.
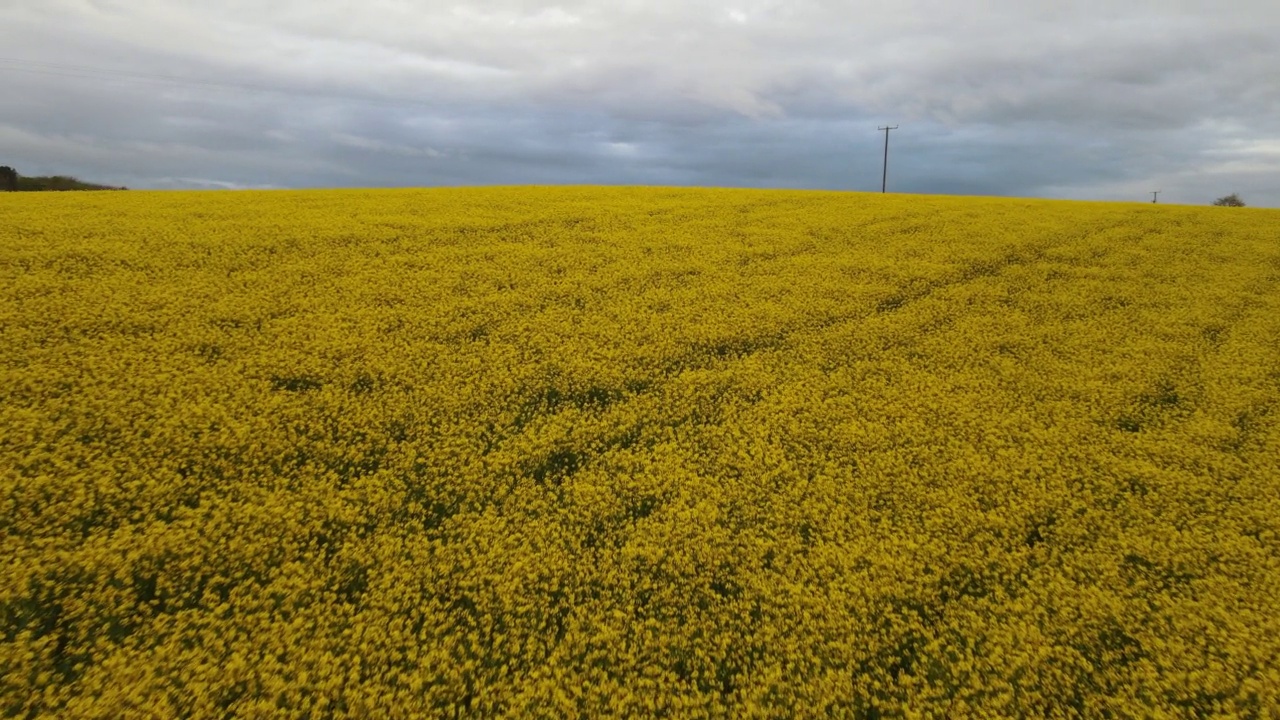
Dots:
pixel 10 180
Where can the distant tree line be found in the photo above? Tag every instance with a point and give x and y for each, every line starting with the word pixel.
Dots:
pixel 1232 200
pixel 11 181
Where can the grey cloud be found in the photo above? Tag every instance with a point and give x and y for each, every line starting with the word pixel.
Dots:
pixel 1090 99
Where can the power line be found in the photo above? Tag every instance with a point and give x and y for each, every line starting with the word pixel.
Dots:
pixel 92 73
pixel 1154 194
pixel 884 178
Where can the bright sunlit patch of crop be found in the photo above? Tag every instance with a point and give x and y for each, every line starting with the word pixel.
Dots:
pixel 575 452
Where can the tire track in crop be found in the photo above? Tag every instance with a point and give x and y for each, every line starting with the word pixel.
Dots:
pixel 553 468
pixel 1259 304
pixel 1170 403
pixel 560 463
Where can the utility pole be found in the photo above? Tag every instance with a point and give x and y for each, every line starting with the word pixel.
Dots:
pixel 1155 193
pixel 884 178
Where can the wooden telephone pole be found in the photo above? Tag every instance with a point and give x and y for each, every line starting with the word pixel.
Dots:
pixel 884 177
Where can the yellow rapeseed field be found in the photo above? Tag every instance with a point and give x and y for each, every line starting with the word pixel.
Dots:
pixel 606 452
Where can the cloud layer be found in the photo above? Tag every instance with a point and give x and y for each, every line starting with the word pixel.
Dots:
pixel 1001 97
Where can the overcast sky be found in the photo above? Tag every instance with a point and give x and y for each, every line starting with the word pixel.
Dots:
pixel 1084 99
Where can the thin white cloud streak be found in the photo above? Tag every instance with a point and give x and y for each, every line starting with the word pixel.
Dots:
pixel 379 146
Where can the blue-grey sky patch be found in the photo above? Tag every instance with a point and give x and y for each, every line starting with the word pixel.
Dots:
pixel 1088 99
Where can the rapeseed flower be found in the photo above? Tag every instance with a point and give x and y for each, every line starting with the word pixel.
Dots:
pixel 626 452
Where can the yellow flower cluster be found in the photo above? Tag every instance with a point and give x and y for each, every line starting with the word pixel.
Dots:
pixel 619 452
